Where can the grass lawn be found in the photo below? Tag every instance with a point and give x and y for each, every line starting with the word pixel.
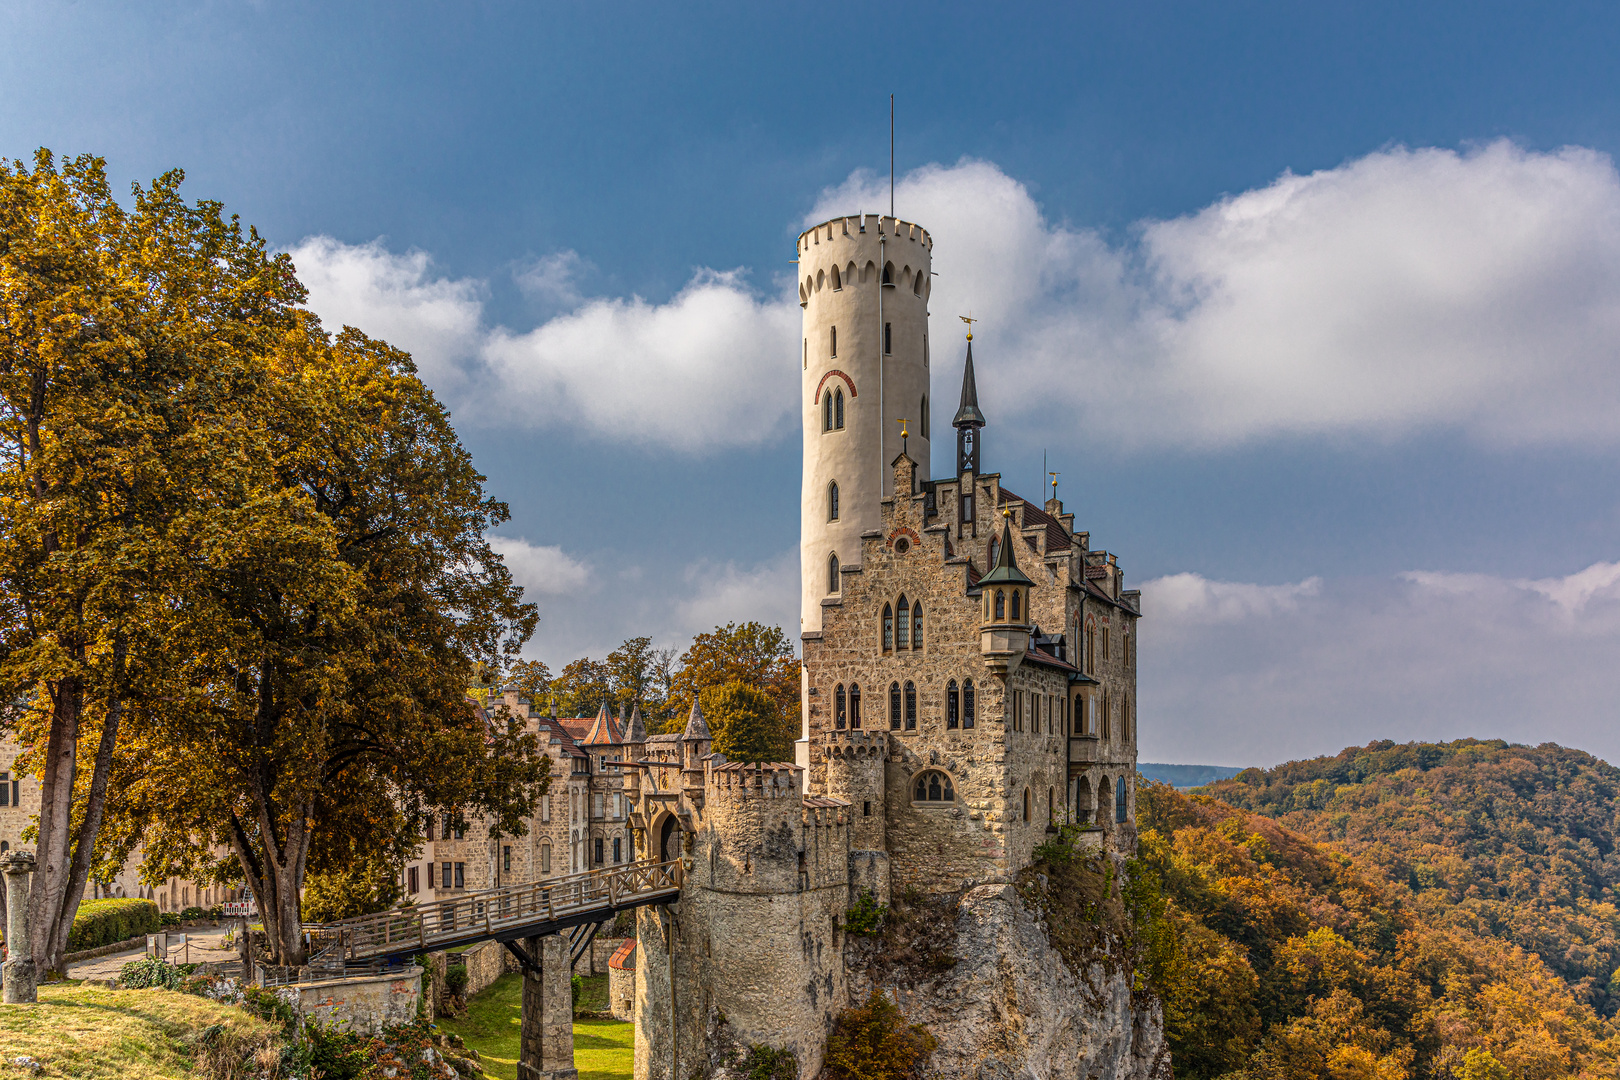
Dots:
pixel 603 1049
pixel 137 1034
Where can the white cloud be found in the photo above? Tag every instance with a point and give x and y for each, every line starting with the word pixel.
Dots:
pixel 1405 291
pixel 719 593
pixel 1251 674
pixel 544 570
pixel 398 299
pixel 705 369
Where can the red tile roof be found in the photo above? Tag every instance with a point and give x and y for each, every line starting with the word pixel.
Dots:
pixel 624 957
pixel 1057 537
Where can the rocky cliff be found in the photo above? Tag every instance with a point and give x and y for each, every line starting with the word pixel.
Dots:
pixel 981 972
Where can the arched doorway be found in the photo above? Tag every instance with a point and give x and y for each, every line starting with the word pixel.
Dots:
pixel 669 840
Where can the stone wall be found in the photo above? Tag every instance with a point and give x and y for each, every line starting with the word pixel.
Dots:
pixel 486 963
pixel 366 1004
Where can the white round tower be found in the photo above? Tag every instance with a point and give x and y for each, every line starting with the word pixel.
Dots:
pixel 863 285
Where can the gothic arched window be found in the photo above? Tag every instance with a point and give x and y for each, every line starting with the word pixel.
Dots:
pixel 838 409
pixel 827 411
pixel 1001 605
pixel 1015 605
pixel 888 628
pixel 903 629
pixel 894 706
pixel 967 703
pixel 1026 805
pixel 1121 799
pixel 833 582
pixel 916 625
pixel 838 707
pixel 854 705
pixel 933 786
pixel 953 705
pixel 911 705
pixel 832 501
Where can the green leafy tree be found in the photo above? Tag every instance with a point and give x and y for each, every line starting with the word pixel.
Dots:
pixel 532 678
pixel 131 341
pixel 366 887
pixel 582 687
pixel 745 723
pixel 329 654
pixel 751 652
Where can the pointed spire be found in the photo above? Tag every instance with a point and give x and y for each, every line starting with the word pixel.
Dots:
pixel 696 728
pixel 637 731
pixel 969 413
pixel 1006 570
pixel 601 728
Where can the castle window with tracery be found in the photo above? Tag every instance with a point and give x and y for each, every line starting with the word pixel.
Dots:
pixel 838 707
pixel 953 705
pixel 911 705
pixel 967 703
pixel 888 628
pixel 903 629
pixel 854 705
pixel 933 787
pixel 894 706
pixel 832 501
pixel 916 625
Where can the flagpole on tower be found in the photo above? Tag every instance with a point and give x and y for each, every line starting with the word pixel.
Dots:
pixel 891 155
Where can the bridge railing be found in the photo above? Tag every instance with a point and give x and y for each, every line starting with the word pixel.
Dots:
pixel 487 912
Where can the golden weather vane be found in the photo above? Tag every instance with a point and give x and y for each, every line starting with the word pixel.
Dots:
pixel 902 422
pixel 1054 476
pixel 970 320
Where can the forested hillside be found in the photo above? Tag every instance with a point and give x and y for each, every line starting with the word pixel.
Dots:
pixel 1279 958
pixel 1516 842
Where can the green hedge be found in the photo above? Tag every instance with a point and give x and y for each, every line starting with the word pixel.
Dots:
pixel 103 922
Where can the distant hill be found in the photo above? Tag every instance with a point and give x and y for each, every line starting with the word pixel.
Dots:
pixel 1185 776
pixel 1281 958
pixel 1516 842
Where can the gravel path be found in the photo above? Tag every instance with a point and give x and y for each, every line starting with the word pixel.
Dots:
pixel 206 943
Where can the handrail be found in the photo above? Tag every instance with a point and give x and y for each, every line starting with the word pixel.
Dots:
pixel 499 909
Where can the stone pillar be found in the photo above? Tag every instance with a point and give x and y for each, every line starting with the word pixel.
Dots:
pixel 547 1031
pixel 21 983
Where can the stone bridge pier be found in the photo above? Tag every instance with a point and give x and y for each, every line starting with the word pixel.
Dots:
pixel 547 1031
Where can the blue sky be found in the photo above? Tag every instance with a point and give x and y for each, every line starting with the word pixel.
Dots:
pixel 1315 307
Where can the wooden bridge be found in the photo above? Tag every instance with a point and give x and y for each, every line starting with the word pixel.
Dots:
pixel 506 914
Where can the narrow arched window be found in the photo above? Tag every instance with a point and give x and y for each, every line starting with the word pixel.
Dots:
pixel 827 411
pixel 854 705
pixel 838 410
pixel 911 705
pixel 923 413
pixel 838 707
pixel 833 582
pixel 1107 717
pixel 967 703
pixel 916 625
pixel 1051 806
pixel 1015 605
pixel 993 551
pixel 888 628
pixel 832 501
pixel 1026 805
pixel 903 630
pixel 835 341
pixel 1001 605
pixel 1121 800
pixel 953 706
pixel 837 280
pixel 894 706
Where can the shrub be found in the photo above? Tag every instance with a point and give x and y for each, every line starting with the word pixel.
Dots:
pixel 169 918
pixel 768 1063
pixel 103 922
pixel 577 986
pixel 874 1042
pixel 867 916
pixel 192 914
pixel 455 980
pixel 217 912
pixel 154 974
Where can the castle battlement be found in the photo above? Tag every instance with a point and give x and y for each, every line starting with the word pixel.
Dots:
pixel 851 745
pixel 753 780
pixel 858 225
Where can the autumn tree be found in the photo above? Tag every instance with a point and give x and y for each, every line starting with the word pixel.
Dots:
pixel 329 651
pixel 753 653
pixel 532 679
pixel 745 723
pixel 582 687
pixel 130 339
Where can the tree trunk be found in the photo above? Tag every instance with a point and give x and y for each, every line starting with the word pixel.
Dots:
pixel 53 850
pixel 274 869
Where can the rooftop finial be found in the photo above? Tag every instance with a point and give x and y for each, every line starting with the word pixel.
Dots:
pixel 970 320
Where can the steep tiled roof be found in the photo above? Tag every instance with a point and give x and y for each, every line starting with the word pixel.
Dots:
pixel 603 731
pixel 1057 537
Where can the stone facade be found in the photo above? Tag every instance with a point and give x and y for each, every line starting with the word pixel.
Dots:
pixel 968 691
pixel 365 1004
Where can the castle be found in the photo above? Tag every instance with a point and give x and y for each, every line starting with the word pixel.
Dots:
pixel 968 687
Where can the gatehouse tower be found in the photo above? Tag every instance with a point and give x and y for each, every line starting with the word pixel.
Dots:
pixel 863 284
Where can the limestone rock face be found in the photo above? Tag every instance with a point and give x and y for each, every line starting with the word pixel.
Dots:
pixel 1011 1009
